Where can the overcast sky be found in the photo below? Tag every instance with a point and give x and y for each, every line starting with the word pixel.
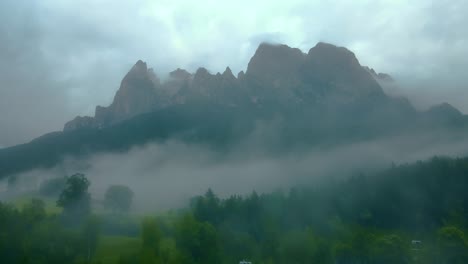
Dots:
pixel 61 58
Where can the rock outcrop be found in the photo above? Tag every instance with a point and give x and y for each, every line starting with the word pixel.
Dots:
pixel 337 72
pixel 277 75
pixel 137 94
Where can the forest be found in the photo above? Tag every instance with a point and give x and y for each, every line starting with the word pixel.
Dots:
pixel 408 213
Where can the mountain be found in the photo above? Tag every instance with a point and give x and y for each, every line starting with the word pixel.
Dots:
pixel 276 75
pixel 323 97
pixel 137 95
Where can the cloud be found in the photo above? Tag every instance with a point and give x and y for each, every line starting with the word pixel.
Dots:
pixel 167 175
pixel 61 58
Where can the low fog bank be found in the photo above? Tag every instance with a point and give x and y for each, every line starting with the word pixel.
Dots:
pixel 165 176
pixel 424 93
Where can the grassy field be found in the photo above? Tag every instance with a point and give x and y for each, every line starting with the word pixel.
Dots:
pixel 110 248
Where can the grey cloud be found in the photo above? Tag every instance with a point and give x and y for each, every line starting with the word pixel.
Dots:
pixel 165 176
pixel 30 101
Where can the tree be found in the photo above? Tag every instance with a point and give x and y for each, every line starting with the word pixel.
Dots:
pixel 48 242
pixel 207 208
pixel 118 198
pixel 75 198
pixel 356 247
pixel 34 211
pixel 391 249
pixel 198 242
pixel 452 244
pixel 31 236
pixel 90 237
pixel 151 237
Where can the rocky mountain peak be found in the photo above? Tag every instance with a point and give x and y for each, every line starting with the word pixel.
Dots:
pixel 202 75
pixel 202 71
pixel 274 60
pixel 228 73
pixel 140 63
pixel 329 54
pixel 139 70
pixel 180 74
pixel 445 110
pixel 241 75
pixel 136 94
pixel 275 74
pixel 381 77
pixel 338 69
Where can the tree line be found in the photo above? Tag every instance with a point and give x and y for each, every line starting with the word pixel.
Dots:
pixel 411 213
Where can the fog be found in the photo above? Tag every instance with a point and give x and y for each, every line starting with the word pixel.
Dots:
pixel 166 175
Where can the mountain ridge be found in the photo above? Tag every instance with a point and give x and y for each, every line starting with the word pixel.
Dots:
pixel 323 97
pixel 275 74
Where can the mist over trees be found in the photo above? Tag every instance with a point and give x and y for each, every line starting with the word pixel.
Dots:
pixel 379 218
pixel 31 235
pixel 75 199
pixel 118 198
pixel 384 217
pixel 52 187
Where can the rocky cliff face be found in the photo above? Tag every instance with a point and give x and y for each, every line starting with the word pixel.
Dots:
pixel 277 75
pixel 337 72
pixel 326 74
pixel 138 93
pixel 273 63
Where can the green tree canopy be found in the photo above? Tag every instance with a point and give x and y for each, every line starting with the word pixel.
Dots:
pixel 75 198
